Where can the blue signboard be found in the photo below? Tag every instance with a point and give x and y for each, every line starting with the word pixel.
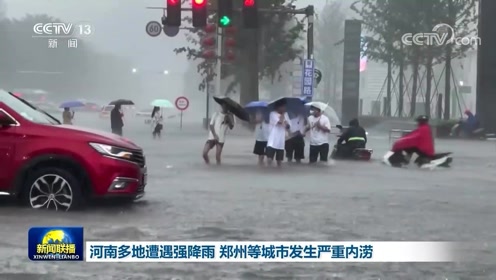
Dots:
pixel 307 82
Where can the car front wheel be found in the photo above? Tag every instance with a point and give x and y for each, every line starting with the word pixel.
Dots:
pixel 55 189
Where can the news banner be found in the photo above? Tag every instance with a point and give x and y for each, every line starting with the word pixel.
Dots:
pixel 264 251
pixel 68 244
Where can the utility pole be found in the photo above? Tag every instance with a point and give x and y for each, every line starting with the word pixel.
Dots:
pixel 447 71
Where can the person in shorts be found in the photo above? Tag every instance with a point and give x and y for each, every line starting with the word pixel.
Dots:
pixel 262 130
pixel 295 143
pixel 319 126
pixel 279 123
pixel 219 124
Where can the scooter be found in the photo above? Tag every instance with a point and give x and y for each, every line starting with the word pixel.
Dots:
pixel 363 154
pixel 438 160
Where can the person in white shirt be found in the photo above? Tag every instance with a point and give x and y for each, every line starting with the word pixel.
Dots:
pixel 219 124
pixel 279 123
pixel 295 144
pixel 319 127
pixel 262 131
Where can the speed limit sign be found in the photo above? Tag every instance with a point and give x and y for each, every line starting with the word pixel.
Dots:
pixel 153 28
pixel 182 103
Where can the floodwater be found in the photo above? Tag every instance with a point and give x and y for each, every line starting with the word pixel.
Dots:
pixel 187 200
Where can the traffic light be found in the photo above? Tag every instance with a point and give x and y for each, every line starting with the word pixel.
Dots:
pixel 208 42
pixel 173 13
pixel 224 13
pixel 250 13
pixel 199 13
pixel 230 44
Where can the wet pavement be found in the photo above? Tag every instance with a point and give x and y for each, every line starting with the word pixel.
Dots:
pixel 187 200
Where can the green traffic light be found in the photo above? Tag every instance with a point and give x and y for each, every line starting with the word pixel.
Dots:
pixel 224 21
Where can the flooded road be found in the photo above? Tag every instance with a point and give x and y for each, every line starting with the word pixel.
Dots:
pixel 187 200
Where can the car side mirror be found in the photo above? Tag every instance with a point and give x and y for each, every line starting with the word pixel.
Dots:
pixel 5 120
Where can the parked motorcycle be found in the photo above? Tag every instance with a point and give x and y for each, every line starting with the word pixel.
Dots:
pixel 362 154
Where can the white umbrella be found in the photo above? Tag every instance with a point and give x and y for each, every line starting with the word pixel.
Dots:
pixel 326 109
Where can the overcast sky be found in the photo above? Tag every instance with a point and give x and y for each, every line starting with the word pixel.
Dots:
pixel 120 29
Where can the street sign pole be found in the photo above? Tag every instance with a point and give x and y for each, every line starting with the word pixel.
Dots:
pixel 181 121
pixel 182 103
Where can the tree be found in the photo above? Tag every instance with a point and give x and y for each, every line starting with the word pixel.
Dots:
pixel 388 20
pixel 274 40
pixel 329 30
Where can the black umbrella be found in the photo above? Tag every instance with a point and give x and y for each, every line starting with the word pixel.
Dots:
pixel 122 102
pixel 233 107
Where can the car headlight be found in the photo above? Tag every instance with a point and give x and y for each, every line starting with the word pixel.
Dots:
pixel 111 151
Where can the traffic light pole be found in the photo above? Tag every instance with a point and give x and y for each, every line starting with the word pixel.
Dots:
pixel 218 78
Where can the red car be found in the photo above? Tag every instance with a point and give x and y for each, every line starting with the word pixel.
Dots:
pixel 60 167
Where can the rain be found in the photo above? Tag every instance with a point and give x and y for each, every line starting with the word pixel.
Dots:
pixel 113 58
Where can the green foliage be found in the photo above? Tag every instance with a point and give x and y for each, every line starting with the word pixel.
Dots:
pixel 27 62
pixel 277 35
pixel 387 21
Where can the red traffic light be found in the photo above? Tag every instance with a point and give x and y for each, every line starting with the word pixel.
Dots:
pixel 209 42
pixel 249 3
pixel 173 2
pixel 199 2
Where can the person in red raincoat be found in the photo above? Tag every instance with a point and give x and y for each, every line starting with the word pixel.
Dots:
pixel 419 141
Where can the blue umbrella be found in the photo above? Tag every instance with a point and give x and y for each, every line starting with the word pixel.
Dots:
pixel 72 104
pixel 293 104
pixel 256 104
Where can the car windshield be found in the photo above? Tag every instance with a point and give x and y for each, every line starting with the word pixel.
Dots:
pixel 25 109
pixel 44 106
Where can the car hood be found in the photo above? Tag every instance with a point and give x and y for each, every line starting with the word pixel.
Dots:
pixel 97 136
